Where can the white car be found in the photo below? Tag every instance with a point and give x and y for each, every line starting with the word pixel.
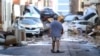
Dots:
pixel 79 24
pixel 71 17
pixel 91 14
pixel 34 12
pixel 32 25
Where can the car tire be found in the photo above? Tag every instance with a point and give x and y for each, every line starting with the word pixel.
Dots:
pixel 97 20
pixel 37 35
pixel 29 35
pixel 41 33
pixel 69 31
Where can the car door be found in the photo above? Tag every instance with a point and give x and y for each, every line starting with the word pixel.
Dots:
pixel 83 25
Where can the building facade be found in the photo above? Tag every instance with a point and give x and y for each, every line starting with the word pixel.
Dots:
pixel 88 2
pixel 76 6
pixel 63 6
pixel 6 10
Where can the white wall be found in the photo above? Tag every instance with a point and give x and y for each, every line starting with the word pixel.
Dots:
pixel 55 5
pixel 6 13
pixel 80 4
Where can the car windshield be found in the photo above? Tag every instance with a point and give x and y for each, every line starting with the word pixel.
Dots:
pixel 33 10
pixel 27 21
pixel 84 23
pixel 30 20
pixel 47 10
pixel 37 10
pixel 70 17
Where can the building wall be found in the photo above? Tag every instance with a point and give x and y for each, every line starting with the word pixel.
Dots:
pixel 98 8
pixel 0 13
pixel 54 5
pixel 88 2
pixel 63 6
pixel 16 1
pixel 0 16
pixel 6 13
pixel 76 6
pixel 81 5
pixel 40 4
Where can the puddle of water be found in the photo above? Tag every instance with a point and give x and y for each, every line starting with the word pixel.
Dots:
pixel 1 47
pixel 83 42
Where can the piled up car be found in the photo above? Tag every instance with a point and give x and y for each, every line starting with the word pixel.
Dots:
pixel 47 13
pixel 80 25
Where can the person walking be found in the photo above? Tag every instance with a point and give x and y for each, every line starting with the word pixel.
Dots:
pixel 56 31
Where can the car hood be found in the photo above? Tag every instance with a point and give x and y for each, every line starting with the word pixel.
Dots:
pixel 40 25
pixel 30 26
pixel 37 25
pixel 32 15
pixel 36 15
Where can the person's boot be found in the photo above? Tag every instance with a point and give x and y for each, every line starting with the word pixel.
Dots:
pixel 53 51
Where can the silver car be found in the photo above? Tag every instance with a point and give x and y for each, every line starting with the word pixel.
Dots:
pixel 32 25
pixel 79 24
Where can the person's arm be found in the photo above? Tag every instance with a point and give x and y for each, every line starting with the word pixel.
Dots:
pixel 62 31
pixel 49 30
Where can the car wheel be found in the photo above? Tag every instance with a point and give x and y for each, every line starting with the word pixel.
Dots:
pixel 80 30
pixel 97 20
pixel 69 31
pixel 29 35
pixel 41 33
pixel 88 29
pixel 37 35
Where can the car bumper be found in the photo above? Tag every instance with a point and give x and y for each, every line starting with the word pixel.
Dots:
pixel 33 32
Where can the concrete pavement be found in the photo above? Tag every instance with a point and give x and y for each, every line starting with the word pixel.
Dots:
pixel 72 46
